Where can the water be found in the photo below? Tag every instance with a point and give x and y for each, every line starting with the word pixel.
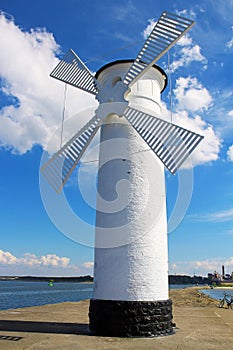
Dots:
pixel 181 286
pixel 217 293
pixel 17 294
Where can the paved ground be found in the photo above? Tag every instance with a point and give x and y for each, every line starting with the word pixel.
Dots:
pixel 65 326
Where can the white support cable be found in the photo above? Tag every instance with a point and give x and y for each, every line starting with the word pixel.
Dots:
pixel 170 83
pixel 63 114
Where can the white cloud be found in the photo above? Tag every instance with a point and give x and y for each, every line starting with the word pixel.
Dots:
pixel 191 95
pixel 88 265
pixel 230 114
pixel 37 113
pixel 219 216
pixel 31 259
pixel 149 28
pixel 185 40
pixel 189 53
pixel 44 265
pixel 230 153
pixel 201 267
pixel 191 98
pixel 230 43
pixel 54 260
pixel 7 258
pixel 26 59
pixel 208 149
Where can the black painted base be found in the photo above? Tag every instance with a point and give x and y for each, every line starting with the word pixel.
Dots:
pixel 130 318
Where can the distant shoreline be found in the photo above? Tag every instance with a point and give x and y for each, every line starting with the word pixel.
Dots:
pixel 47 279
pixel 173 279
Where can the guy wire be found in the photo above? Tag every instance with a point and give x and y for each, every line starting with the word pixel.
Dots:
pixel 170 83
pixel 63 115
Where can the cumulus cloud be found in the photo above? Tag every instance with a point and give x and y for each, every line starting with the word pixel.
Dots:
pixel 190 52
pixel 191 98
pixel 201 267
pixel 208 150
pixel 33 110
pixel 187 55
pixel 230 153
pixel 88 265
pixel 149 28
pixel 7 258
pixel 191 95
pixel 29 259
pixel 49 264
pixel 54 260
pixel 185 40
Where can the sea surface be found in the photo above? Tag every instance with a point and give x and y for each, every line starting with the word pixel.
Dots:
pixel 217 293
pixel 18 294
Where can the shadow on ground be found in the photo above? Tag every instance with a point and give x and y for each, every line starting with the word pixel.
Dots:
pixel 44 327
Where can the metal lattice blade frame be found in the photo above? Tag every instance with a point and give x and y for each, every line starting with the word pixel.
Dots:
pixel 167 31
pixel 59 168
pixel 171 143
pixel 72 70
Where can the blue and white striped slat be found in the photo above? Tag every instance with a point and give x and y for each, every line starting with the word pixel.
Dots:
pixel 167 31
pixel 171 143
pixel 59 168
pixel 72 70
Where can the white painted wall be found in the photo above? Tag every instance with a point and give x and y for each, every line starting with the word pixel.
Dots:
pixel 131 261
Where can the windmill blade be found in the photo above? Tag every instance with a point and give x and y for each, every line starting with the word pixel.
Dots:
pixel 171 143
pixel 59 168
pixel 167 31
pixel 72 70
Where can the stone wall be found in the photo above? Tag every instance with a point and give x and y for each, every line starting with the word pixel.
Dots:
pixel 130 318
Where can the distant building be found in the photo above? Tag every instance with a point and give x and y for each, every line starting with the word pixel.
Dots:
pixel 223 272
pixel 210 276
pixel 222 278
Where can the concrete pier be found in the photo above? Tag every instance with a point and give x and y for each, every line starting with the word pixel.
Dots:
pixel 200 324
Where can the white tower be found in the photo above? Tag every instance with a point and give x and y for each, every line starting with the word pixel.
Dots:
pixel 131 262
pixel 131 265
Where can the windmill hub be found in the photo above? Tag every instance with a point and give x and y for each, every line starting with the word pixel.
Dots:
pixel 114 95
pixel 110 78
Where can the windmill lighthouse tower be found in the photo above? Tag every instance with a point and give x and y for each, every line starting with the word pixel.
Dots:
pixel 131 264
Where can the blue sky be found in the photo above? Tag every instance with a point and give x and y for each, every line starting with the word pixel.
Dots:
pixel 32 38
